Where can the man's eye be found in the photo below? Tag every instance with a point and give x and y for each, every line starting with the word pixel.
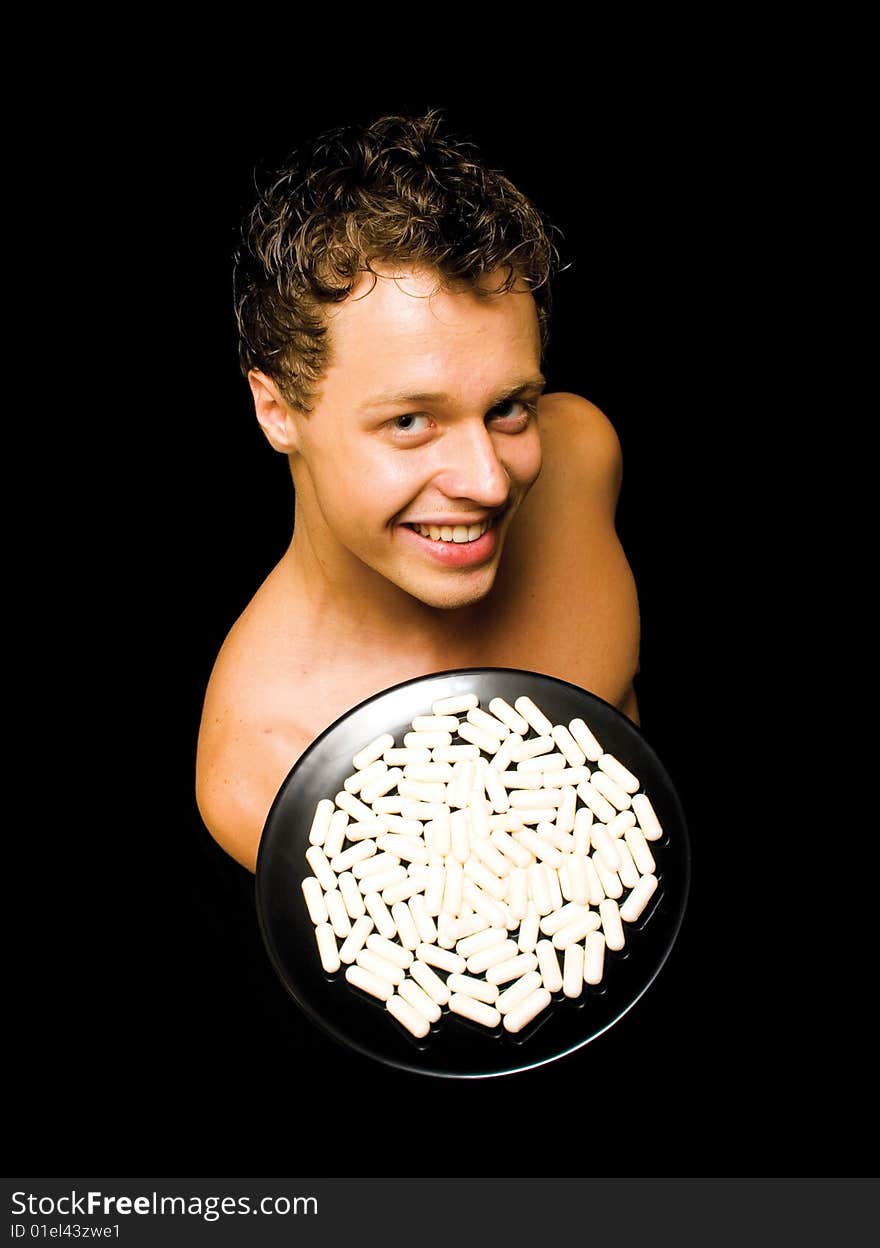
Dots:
pixel 527 410
pixel 405 424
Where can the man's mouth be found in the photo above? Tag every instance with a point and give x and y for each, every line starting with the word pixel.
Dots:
pixel 459 533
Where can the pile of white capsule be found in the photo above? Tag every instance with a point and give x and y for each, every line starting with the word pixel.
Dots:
pixel 435 858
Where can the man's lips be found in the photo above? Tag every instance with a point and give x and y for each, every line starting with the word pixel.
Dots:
pixel 453 554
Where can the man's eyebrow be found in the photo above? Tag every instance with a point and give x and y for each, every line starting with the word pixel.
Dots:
pixel 433 396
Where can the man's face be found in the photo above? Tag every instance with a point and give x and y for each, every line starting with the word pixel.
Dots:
pixel 458 454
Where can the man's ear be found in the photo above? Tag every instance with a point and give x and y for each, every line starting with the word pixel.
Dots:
pixel 273 413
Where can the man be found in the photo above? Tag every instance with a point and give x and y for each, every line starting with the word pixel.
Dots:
pixel 392 299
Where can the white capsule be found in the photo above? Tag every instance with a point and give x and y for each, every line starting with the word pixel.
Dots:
pixel 503 972
pixel 446 930
pixel 489 723
pixel 501 761
pixel 406 927
pixel 540 847
pixel 368 982
pixel 476 1011
pixel 426 740
pixel 434 889
pixel 579 884
pixel 357 853
pixel 605 847
pixel 541 763
pixel 476 988
pixel 408 1016
pixel 611 924
pixel 377 965
pixel 518 895
pixel 533 715
pixel 575 931
pixel 479 817
pixel 454 753
pixel 327 948
pixel 479 737
pixel 542 814
pixel 527 1010
pixel 321 821
pixel 517 779
pixel 416 996
pixel 534 748
pixel 458 790
pixel 409 848
pixel 484 904
pixel 557 919
pixel 443 959
pixel 480 940
pixel 583 736
pixel 374 865
pixel 567 809
pixel 388 805
pixel 555 892
pixel 314 898
pixel 483 878
pixel 635 903
pixel 410 808
pixel 374 750
pixel 390 950
pixel 568 747
pixel 638 847
pixel 401 756
pixel 599 805
pixel 567 777
pixel 380 786
pixel 452 892
pixel 480 963
pixel 457 704
pixel 594 883
pixel 573 970
pixel 355 940
pixel 469 925
pixel 381 915
pixel 442 832
pixel 337 913
pixel 548 965
pixel 617 796
pixel 647 817
pixel 627 872
pixel 429 772
pixel 521 988
pixel 609 880
pixel 378 881
pixel 317 860
pixel 353 806
pixel 583 821
pixel 423 790
pixel 395 894
pixel 511 849
pixel 335 838
pixel 495 791
pixel 505 712
pixel 351 895
pixel 425 925
pixel 594 957
pixel 532 799
pixel 354 784
pixel 620 823
pixel 618 773
pixel 539 889
pixel 528 931
pixel 431 982
pixel 435 723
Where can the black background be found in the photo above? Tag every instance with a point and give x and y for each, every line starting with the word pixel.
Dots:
pixel 146 1014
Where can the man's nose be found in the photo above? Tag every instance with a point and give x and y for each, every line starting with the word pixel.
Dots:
pixel 472 469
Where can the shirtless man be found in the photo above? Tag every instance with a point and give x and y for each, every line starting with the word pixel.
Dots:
pixel 426 410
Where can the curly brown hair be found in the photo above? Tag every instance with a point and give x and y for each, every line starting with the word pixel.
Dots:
pixel 401 189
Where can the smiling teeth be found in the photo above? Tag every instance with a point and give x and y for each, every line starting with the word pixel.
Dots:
pixel 445 533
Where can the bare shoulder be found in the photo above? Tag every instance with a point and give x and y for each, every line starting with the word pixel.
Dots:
pixel 581 450
pixel 247 738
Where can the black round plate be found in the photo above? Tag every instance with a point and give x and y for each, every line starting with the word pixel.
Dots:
pixel 456 1047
